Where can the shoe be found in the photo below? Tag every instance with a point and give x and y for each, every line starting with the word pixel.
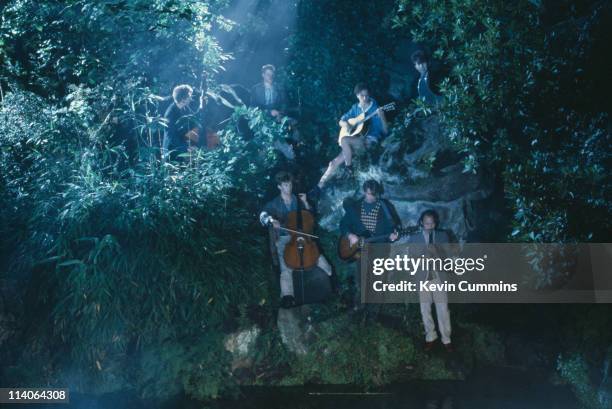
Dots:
pixel 288 301
pixel 429 346
pixel 349 172
pixel 449 348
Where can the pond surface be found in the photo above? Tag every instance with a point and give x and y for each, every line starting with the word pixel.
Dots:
pixel 494 388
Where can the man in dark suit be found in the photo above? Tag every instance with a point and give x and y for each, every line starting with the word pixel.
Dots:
pixel 429 235
pixel 270 98
pixel 426 84
pixel 370 216
pixel 267 95
pixel 180 120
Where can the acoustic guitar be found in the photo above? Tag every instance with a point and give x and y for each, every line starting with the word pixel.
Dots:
pixel 357 125
pixel 346 252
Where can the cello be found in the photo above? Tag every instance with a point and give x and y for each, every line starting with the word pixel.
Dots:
pixel 302 252
pixel 198 135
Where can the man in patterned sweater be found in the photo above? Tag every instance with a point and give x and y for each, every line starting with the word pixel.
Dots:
pixel 370 216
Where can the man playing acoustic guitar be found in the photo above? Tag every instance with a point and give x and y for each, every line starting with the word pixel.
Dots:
pixel 375 129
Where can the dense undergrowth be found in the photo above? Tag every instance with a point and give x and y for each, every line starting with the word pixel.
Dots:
pixel 134 270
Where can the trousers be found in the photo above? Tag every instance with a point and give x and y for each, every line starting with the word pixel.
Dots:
pixel 440 299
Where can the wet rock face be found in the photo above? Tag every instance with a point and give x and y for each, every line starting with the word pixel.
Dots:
pixel 414 186
pixel 241 345
pixel 296 334
pixel 295 329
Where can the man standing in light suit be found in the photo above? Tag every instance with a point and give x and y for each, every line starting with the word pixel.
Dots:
pixel 429 235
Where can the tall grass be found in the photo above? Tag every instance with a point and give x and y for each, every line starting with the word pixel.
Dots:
pixel 130 260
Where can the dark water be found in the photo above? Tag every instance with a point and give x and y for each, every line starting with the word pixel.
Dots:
pixel 488 389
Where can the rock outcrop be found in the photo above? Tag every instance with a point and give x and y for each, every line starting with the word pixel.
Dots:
pixel 414 185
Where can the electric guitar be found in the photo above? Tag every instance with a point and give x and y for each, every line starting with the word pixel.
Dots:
pixel 357 124
pixel 346 252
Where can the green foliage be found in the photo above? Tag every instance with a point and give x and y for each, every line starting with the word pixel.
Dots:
pixel 335 46
pixel 522 99
pixel 367 354
pixel 143 257
pixel 133 267
pixel 130 259
pixel 54 44
pixel 483 346
pixel 586 340
pixel 198 367
pixel 575 371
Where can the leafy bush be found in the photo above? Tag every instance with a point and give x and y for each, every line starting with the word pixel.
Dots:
pixel 335 46
pixel 136 258
pixel 575 371
pixel 522 100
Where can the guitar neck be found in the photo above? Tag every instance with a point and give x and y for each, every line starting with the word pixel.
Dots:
pixel 401 232
pixel 387 107
pixel 384 108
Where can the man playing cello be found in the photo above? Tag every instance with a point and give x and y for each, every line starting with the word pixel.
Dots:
pixel 180 119
pixel 276 213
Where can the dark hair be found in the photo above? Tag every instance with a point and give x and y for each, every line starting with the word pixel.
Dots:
pixel 373 186
pixel 419 57
pixel 360 87
pixel 430 213
pixel 181 92
pixel 282 177
pixel 266 67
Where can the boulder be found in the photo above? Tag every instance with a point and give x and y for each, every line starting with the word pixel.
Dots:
pixel 451 194
pixel 293 327
pixel 445 188
pixel 241 345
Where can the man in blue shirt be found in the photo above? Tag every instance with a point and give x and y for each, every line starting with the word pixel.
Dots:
pixel 376 129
